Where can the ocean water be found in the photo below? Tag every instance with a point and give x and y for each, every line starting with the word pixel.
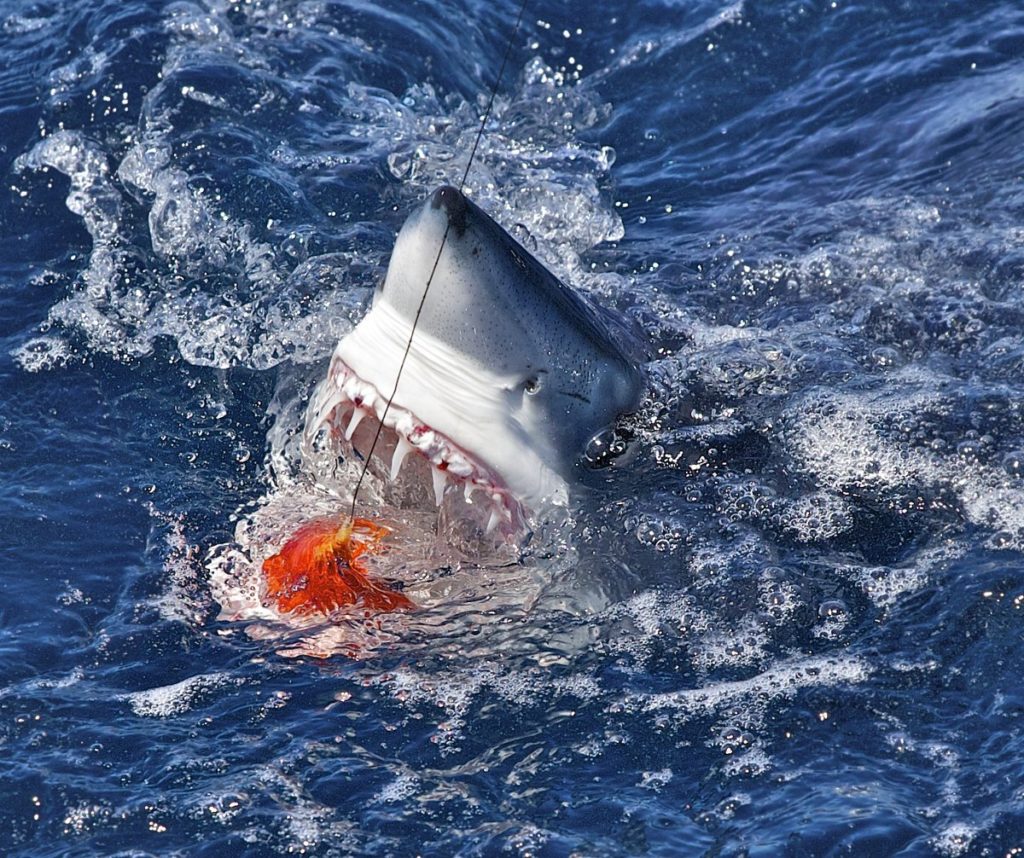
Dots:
pixel 791 623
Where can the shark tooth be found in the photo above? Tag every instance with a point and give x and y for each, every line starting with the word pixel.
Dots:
pixel 357 416
pixel 402 449
pixel 440 483
pixel 492 522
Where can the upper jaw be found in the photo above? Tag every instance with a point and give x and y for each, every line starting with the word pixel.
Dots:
pixel 345 400
pixel 452 415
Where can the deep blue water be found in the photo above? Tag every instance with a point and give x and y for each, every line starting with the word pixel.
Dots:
pixel 792 624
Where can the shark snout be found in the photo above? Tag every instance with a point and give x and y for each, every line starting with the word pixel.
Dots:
pixel 453 203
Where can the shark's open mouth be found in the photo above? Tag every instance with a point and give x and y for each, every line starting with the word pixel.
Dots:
pixel 346 400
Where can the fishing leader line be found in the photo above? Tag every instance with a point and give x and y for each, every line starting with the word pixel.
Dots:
pixel 347 528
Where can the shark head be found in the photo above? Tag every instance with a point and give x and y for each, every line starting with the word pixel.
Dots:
pixel 509 374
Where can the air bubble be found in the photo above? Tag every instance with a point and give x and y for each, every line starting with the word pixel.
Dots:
pixel 736 737
pixel 1003 539
pixel 832 609
pixel 969 450
pixel 885 357
pixel 1013 463
pixel 604 448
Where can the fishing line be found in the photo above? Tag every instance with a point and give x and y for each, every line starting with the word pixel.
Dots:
pixel 430 279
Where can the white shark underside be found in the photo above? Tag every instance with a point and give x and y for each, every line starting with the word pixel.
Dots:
pixel 507 378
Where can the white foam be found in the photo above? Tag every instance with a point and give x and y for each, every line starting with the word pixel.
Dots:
pixel 954 839
pixel 92 197
pixel 528 839
pixel 818 516
pixel 175 699
pixel 183 226
pixel 841 439
pixel 310 824
pixel 650 614
pixel 549 179
pixel 403 787
pixel 744 643
pixel 83 817
pixel 454 693
pixel 184 599
pixel 655 780
pixel 648 48
pixel 781 681
pixel 994 502
pixel 884 585
pixel 777 599
pixel 838 438
pixel 66 681
pixel 750 763
pixel 86 63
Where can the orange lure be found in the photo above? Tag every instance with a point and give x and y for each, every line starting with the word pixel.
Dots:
pixel 318 570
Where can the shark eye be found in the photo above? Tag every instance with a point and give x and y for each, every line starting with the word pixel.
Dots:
pixel 532 384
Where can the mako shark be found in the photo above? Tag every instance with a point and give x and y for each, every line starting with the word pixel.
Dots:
pixel 508 377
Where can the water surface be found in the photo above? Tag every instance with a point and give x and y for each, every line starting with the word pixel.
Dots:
pixel 792 625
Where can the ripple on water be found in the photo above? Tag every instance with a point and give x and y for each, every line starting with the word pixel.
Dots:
pixel 797 600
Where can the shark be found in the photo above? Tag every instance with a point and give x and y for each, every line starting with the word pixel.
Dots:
pixel 507 377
